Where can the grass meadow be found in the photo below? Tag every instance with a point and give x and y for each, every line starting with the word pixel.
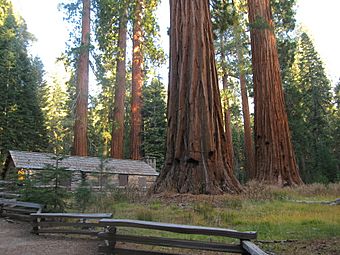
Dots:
pixel 285 218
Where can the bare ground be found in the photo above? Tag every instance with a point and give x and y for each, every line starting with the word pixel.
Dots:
pixel 16 239
pixel 303 247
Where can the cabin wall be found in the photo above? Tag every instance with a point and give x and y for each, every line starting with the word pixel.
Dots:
pixel 10 172
pixel 106 181
pixel 96 181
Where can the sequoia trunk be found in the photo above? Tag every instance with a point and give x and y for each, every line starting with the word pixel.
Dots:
pixel 137 83
pixel 117 143
pixel 274 154
pixel 80 126
pixel 196 157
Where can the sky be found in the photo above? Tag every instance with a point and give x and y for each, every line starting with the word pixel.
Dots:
pixel 320 18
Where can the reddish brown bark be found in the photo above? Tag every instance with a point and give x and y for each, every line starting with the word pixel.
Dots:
pixel 196 159
pixel 80 126
pixel 137 83
pixel 248 141
pixel 274 154
pixel 227 124
pixel 117 142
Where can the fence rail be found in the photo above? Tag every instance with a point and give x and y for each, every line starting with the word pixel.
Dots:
pixel 111 236
pixel 68 223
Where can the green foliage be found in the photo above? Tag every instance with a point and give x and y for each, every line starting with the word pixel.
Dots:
pixel 48 187
pixel 21 120
pixel 309 104
pixel 152 50
pixel 285 22
pixel 233 60
pixel 154 121
pixel 335 123
pixel 99 128
pixel 127 122
pixel 72 13
pixel 260 23
pixel 83 196
pixel 54 103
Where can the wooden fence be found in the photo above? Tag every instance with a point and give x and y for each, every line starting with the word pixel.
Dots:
pixel 68 223
pixel 112 236
pixel 18 210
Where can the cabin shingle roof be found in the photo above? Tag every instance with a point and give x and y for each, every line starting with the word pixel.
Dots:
pixel 38 160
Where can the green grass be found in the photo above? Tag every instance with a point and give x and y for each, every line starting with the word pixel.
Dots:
pixel 272 212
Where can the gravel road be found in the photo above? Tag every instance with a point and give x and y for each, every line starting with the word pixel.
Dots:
pixel 16 239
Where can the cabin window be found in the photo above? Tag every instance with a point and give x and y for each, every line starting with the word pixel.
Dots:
pixel 123 179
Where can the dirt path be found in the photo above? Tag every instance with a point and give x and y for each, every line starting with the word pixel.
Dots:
pixel 16 239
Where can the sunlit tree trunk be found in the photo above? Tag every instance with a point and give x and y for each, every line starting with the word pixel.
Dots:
pixel 227 123
pixel 274 154
pixel 117 143
pixel 137 83
pixel 196 159
pixel 80 126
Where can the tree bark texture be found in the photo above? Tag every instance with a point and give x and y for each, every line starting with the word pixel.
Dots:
pixel 248 141
pixel 80 126
pixel 196 157
pixel 227 124
pixel 274 154
pixel 137 83
pixel 117 142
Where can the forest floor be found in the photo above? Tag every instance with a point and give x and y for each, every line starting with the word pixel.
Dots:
pixel 285 224
pixel 16 239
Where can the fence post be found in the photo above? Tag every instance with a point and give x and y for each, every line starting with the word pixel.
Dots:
pixel 112 244
pixel 35 223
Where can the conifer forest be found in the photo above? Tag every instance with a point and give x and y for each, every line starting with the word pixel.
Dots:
pixel 169 127
pixel 246 95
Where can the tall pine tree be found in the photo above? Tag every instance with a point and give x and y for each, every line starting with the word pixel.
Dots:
pixel 310 96
pixel 154 121
pixel 21 120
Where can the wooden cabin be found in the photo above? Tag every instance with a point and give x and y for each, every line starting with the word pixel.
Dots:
pixel 99 173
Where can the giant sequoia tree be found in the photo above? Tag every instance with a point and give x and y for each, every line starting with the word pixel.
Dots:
pixel 80 126
pixel 117 143
pixel 196 159
pixel 137 82
pixel 275 159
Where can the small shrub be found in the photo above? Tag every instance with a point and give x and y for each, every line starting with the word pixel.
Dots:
pixel 47 187
pixel 83 196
